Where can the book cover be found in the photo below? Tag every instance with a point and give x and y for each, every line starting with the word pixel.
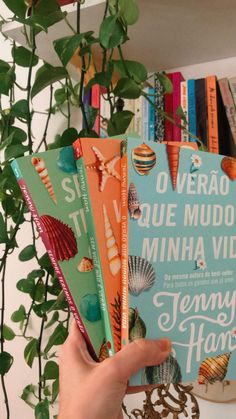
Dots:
pixel 192 124
pixel 159 118
pixel 184 106
pixel 181 260
pixel 50 187
pixel 177 77
pixel 98 165
pixel 212 115
pixel 201 110
pixel 229 105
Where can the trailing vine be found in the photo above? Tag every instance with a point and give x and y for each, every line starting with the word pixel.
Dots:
pixel 123 79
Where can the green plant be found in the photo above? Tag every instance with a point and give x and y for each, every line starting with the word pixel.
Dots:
pixel 123 79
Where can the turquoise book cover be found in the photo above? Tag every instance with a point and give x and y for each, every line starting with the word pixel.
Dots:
pixel 50 187
pixel 181 260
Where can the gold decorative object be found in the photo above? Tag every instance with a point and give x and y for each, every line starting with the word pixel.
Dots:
pixel 166 399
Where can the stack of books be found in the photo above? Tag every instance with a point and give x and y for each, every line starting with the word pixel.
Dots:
pixel 207 106
pixel 142 237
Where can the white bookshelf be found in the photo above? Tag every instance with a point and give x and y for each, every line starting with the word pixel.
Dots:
pixel 169 33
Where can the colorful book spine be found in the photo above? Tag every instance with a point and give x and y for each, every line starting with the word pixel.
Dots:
pixel 229 105
pixel 51 191
pixel 232 85
pixel 212 115
pixel 184 105
pixel 192 123
pixel 168 100
pixel 159 112
pixel 95 103
pixel 87 103
pixel 226 142
pixel 104 112
pixel 151 116
pixel 98 166
pixel 145 121
pixel 201 110
pixel 177 78
pixel 138 117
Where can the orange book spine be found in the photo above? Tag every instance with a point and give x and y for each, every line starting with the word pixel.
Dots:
pixel 124 245
pixel 213 136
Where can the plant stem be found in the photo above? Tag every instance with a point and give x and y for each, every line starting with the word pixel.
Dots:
pixel 83 72
pixel 43 141
pixel 33 49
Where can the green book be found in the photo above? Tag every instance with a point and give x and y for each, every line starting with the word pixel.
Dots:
pixel 50 186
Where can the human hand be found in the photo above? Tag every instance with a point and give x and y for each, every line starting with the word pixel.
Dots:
pixel 92 390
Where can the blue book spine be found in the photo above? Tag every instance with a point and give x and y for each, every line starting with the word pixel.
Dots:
pixel 151 116
pixel 87 103
pixel 192 109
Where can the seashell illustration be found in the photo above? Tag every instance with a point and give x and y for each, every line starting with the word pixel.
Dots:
pixel 144 159
pixel 115 312
pixel 138 330
pixel 112 248
pixel 90 307
pixel 228 165
pixel 103 353
pixel 213 369
pixel 85 265
pixel 173 161
pixel 132 314
pixel 61 237
pixel 40 167
pixel 66 160
pixel 165 373
pixel 141 274
pixel 133 202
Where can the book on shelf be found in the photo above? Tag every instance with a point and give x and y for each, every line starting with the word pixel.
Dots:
pixel 98 165
pixel 177 78
pixel 181 258
pixel 201 111
pixel 229 105
pixel 226 142
pixel 212 115
pixel 232 85
pixel 168 107
pixel 50 187
pixel 192 124
pixel 159 110
pixel 184 106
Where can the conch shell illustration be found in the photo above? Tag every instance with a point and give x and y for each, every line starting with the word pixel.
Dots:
pixel 213 369
pixel 133 202
pixel 173 153
pixel 112 247
pixel 85 265
pixel 137 327
pixel 60 236
pixel 40 167
pixel 141 274
pixel 228 165
pixel 144 159
pixel 165 373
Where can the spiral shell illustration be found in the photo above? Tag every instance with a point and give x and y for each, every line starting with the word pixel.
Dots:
pixel 167 372
pixel 144 159
pixel 41 169
pixel 137 330
pixel 112 247
pixel 228 165
pixel 213 369
pixel 173 153
pixel 61 237
pixel 103 353
pixel 90 307
pixel 141 274
pixel 133 202
pixel 85 265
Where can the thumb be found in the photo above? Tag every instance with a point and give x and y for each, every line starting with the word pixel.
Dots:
pixel 139 354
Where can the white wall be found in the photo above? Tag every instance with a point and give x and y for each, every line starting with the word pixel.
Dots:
pixel 20 374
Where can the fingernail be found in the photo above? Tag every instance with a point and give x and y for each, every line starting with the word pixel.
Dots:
pixel 164 345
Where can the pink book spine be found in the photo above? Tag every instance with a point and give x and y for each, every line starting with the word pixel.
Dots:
pixel 55 264
pixel 177 78
pixel 95 102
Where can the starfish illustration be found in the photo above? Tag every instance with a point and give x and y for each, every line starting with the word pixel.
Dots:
pixel 104 167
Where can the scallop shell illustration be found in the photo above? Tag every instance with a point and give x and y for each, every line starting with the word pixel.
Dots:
pixel 112 247
pixel 173 153
pixel 61 237
pixel 144 159
pixel 141 274
pixel 133 202
pixel 228 165
pixel 85 265
pixel 167 372
pixel 138 329
pixel 103 353
pixel 41 169
pixel 213 369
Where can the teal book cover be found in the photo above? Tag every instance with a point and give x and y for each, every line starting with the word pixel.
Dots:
pixel 181 260
pixel 50 187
